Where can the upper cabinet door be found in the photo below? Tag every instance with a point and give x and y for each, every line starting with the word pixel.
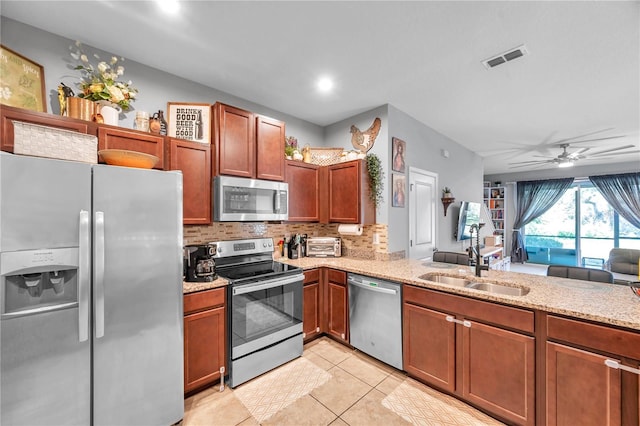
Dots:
pixel 304 190
pixel 270 148
pixel 235 143
pixel 194 160
pixel 349 189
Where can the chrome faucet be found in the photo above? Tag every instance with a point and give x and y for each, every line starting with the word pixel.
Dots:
pixel 479 266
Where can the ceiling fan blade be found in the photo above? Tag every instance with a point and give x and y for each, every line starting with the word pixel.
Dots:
pixel 535 166
pixel 612 150
pixel 533 162
pixel 577 154
pixel 591 140
pixel 580 136
pixel 543 156
pixel 616 153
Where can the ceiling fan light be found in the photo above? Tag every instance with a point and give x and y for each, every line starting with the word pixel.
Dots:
pixel 564 164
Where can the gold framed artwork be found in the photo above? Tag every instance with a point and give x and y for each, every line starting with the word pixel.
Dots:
pixel 190 121
pixel 22 82
pixel 398 154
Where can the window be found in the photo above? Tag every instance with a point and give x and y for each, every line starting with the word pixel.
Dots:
pixel 558 237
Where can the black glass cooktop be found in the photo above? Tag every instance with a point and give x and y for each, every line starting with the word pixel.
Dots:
pixel 263 270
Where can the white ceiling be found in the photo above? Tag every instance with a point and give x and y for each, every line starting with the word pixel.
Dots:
pixel 424 57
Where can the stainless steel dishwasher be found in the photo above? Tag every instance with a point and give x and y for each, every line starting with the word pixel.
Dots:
pixel 375 318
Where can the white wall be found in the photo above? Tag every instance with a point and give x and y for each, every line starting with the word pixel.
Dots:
pixel 156 87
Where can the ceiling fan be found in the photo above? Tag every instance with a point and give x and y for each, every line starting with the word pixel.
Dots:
pixel 567 159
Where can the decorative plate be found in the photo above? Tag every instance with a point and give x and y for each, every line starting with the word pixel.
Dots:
pixel 122 157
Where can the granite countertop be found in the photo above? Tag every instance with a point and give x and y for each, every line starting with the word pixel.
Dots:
pixel 604 303
pixel 190 287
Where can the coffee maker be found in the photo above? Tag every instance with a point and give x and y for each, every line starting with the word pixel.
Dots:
pixel 199 265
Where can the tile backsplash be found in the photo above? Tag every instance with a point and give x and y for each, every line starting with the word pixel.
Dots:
pixel 360 246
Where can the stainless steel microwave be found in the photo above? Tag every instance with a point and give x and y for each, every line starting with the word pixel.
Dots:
pixel 244 200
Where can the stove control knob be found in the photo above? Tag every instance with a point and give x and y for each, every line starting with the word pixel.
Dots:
pixel 264 245
pixel 219 249
pixel 269 243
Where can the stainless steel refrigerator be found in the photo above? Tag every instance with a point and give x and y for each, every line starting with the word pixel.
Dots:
pixel 90 294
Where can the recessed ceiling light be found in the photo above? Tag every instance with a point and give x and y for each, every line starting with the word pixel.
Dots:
pixel 169 7
pixel 324 84
pixel 564 164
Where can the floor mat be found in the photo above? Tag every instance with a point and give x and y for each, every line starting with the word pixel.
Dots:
pixel 427 407
pixel 279 388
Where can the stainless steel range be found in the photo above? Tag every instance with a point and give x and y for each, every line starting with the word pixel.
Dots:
pixel 264 307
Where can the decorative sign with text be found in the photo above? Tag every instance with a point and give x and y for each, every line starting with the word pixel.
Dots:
pixel 191 122
pixel 21 81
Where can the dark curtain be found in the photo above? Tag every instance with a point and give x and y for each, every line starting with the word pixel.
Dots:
pixel 533 198
pixel 623 193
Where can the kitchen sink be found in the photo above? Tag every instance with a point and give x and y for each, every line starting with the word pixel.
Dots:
pixel 443 279
pixel 498 289
pixel 463 282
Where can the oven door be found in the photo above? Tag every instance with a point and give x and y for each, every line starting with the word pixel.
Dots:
pixel 264 313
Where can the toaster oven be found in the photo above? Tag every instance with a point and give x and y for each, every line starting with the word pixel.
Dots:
pixel 324 247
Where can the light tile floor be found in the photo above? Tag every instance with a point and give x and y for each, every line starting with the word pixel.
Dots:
pixel 358 391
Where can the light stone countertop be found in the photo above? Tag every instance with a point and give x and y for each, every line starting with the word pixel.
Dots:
pixel 192 287
pixel 604 303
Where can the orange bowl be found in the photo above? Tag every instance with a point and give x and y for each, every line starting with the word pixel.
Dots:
pixel 122 157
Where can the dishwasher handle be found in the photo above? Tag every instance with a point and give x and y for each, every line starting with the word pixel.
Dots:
pixel 370 287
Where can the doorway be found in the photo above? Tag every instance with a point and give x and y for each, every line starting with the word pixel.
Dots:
pixel 422 213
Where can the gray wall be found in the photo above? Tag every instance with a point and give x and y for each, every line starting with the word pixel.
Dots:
pixel 156 87
pixel 461 172
pixel 338 135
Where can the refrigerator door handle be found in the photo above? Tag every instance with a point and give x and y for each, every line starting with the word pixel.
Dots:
pixel 84 280
pixel 98 277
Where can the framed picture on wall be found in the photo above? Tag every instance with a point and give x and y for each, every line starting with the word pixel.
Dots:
pixel 398 183
pixel 398 152
pixel 189 121
pixel 21 81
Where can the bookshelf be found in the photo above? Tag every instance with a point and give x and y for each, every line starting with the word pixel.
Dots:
pixel 494 199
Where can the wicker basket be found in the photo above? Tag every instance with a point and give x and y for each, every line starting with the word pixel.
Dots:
pixel 325 156
pixel 42 141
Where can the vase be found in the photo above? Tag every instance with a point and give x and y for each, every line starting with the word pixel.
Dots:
pixel 109 112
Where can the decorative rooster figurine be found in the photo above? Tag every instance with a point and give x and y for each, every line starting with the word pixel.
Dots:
pixel 364 140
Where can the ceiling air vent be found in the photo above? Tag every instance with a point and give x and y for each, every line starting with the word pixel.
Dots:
pixel 502 58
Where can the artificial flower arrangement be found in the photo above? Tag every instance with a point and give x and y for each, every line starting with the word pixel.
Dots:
pixel 100 83
pixel 290 145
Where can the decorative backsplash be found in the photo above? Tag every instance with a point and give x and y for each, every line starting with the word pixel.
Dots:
pixel 360 246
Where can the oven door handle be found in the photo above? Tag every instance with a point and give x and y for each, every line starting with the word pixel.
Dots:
pixel 262 285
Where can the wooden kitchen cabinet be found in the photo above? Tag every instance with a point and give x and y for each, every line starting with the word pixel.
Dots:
pixel 480 351
pixel 112 137
pixel 194 160
pixel 204 338
pixel 348 198
pixel 581 388
pixel 311 305
pixel 337 305
pixel 269 148
pixel 304 191
pixel 247 145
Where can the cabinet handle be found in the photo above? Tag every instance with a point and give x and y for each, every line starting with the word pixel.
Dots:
pixel 342 335
pixel 222 379
pixel 304 335
pixel 466 323
pixel 317 329
pixel 615 364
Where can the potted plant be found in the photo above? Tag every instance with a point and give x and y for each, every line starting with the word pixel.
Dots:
pixel 101 83
pixel 446 193
pixel 290 145
pixel 376 176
